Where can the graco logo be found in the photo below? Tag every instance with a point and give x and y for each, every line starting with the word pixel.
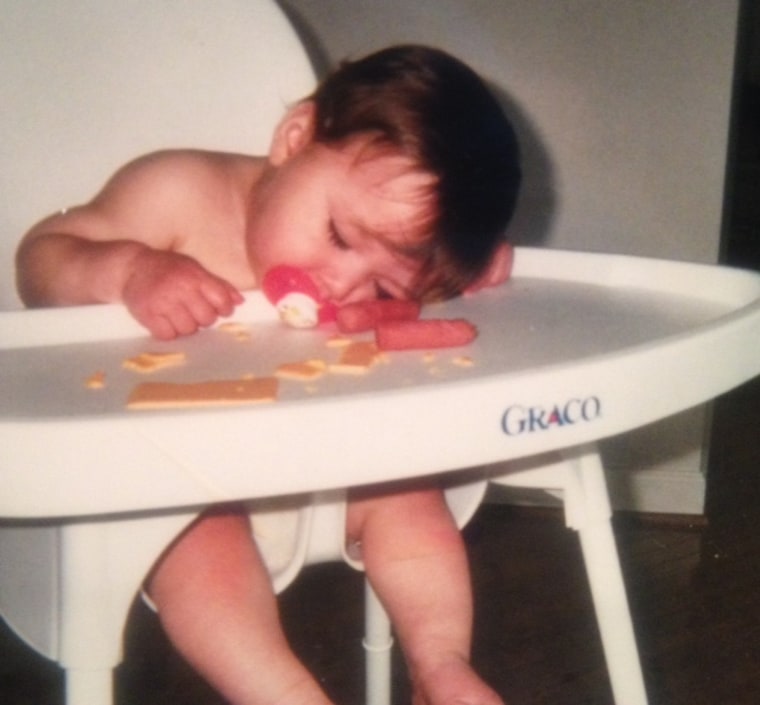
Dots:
pixel 517 419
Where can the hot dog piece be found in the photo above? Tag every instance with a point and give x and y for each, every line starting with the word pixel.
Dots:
pixel 365 315
pixel 423 335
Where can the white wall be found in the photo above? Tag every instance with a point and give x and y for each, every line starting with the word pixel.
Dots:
pixel 623 111
pixel 623 105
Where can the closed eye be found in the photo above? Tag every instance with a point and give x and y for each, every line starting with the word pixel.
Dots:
pixel 336 238
pixel 382 293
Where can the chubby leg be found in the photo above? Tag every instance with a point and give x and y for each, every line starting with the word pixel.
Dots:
pixel 216 603
pixel 416 561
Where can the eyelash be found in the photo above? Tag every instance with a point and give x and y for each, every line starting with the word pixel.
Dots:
pixel 382 293
pixel 336 238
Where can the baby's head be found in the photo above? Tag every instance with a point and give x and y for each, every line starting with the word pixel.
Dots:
pixel 438 113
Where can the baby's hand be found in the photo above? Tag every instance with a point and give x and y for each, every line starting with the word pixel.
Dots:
pixel 172 294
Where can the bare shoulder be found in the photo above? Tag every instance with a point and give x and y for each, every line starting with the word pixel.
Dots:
pixel 177 174
pixel 164 199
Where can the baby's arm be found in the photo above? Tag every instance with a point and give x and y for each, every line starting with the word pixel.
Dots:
pixel 122 247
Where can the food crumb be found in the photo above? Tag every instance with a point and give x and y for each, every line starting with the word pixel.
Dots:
pixel 463 361
pixel 232 327
pixel 237 330
pixel 306 370
pixel 97 380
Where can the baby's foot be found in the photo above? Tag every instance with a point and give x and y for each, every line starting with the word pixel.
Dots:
pixel 452 683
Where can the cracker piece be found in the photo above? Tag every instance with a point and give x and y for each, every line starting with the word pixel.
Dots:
pixel 237 330
pixel 223 392
pixel 306 370
pixel 463 361
pixel 338 341
pixel 233 327
pixel 148 362
pixel 356 358
pixel 97 380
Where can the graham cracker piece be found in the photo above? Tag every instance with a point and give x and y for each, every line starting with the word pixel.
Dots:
pixel 304 371
pixel 222 392
pixel 148 362
pixel 356 358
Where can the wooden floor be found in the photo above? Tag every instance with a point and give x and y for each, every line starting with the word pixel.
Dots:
pixel 694 588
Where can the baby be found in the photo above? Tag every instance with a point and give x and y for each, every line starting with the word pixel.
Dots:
pixel 397 178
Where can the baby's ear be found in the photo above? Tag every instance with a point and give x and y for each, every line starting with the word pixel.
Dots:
pixel 499 268
pixel 294 132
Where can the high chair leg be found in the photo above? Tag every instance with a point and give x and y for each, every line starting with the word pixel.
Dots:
pixel 377 646
pixel 577 477
pixel 89 687
pixel 102 565
pixel 606 583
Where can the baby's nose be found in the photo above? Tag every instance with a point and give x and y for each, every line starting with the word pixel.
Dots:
pixel 352 286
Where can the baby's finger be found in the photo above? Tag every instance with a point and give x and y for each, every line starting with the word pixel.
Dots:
pixel 203 312
pixel 172 322
pixel 221 295
pixel 185 321
pixel 160 327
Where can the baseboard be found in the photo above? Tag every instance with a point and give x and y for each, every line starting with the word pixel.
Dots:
pixel 649 491
pixel 657 469
pixel 668 491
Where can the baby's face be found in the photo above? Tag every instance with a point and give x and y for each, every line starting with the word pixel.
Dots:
pixel 347 215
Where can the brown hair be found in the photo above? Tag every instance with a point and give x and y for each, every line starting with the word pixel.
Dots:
pixel 440 113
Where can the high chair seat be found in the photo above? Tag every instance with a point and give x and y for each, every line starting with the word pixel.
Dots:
pixel 295 531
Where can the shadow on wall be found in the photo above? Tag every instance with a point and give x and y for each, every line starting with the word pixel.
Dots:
pixel 536 205
pixel 314 46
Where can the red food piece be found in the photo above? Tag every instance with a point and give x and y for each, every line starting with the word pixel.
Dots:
pixel 328 312
pixel 284 279
pixel 423 335
pixel 365 315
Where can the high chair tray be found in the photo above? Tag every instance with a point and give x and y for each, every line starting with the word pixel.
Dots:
pixel 574 348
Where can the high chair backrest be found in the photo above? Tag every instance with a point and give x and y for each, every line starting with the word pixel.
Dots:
pixel 88 85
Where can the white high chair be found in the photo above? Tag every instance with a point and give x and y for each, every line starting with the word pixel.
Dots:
pixel 88 86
